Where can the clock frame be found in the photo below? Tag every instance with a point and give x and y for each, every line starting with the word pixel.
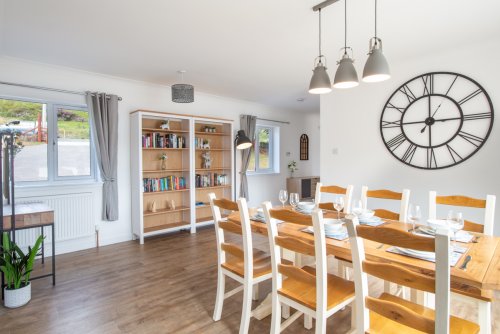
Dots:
pixel 436 120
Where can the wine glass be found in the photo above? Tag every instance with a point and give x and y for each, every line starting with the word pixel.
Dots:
pixel 338 204
pixel 294 200
pixel 414 216
pixel 357 207
pixel 283 196
pixel 455 222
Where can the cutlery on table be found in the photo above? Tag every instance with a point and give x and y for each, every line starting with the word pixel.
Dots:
pixel 466 261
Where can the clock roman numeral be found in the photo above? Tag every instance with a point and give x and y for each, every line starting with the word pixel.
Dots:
pixel 474 140
pixel 428 84
pixel 395 142
pixel 387 124
pixel 391 106
pixel 431 158
pixel 472 117
pixel 409 94
pixel 454 155
pixel 470 96
pixel 410 152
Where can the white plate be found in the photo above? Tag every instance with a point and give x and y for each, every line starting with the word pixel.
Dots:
pixel 306 206
pixel 417 253
pixel 437 223
pixel 332 225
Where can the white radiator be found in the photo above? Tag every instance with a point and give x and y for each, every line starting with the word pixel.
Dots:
pixel 73 216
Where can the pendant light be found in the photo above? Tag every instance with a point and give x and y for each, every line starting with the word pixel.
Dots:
pixel 182 93
pixel 376 67
pixel 320 81
pixel 346 75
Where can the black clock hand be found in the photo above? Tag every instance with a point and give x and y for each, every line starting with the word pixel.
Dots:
pixel 447 119
pixel 423 129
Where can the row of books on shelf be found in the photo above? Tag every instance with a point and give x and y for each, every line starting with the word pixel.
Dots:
pixel 201 143
pixel 211 180
pixel 161 140
pixel 164 183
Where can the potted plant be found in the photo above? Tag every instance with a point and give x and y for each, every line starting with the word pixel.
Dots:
pixel 16 267
pixel 292 166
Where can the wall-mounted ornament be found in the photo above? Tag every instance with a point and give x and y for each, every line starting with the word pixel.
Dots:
pixel 304 147
pixel 436 120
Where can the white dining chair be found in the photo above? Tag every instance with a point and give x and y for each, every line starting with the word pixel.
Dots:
pixel 245 265
pixel 347 192
pixel 311 291
pixel 390 314
pixel 482 298
pixel 403 197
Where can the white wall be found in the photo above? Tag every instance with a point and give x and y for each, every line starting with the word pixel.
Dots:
pixel 350 122
pixel 137 95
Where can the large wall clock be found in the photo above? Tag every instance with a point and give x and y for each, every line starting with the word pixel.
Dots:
pixel 436 120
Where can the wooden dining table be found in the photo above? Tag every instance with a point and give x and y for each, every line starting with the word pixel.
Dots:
pixel 482 271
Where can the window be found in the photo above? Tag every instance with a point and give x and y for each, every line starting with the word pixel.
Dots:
pixel 53 142
pixel 264 157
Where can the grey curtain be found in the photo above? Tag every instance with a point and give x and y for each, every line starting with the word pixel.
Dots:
pixel 104 111
pixel 247 124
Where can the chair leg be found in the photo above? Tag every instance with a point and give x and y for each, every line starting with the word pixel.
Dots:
pixel 341 269
pixel 276 315
pixel 484 317
pixel 255 293
pixel 308 321
pixel 320 324
pixel 247 307
pixel 285 311
pixel 219 300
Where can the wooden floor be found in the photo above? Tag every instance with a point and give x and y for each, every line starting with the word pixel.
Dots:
pixel 166 285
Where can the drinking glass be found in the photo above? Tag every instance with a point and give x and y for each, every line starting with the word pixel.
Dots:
pixel 455 222
pixel 357 207
pixel 294 200
pixel 414 216
pixel 338 204
pixel 283 197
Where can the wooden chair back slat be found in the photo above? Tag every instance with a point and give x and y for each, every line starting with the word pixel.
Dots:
pixel 401 314
pixel 386 214
pixel 457 200
pixel 473 227
pixel 295 245
pixel 399 275
pixel 230 227
pixel 326 206
pixel 226 204
pixel 384 194
pixel 333 190
pixel 290 216
pixel 297 273
pixel 392 236
pixel 233 250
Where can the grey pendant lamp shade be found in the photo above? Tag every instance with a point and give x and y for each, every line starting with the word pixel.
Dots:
pixel 320 81
pixel 346 75
pixel 376 67
pixel 182 93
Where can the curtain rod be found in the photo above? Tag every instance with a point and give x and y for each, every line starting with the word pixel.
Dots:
pixel 46 88
pixel 272 120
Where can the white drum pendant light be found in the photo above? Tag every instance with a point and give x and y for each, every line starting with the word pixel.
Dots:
pixel 346 75
pixel 182 93
pixel 320 81
pixel 376 67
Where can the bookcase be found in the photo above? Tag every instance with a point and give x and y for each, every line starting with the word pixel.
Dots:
pixel 176 160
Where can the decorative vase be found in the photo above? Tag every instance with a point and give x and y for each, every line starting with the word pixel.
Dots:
pixel 153 207
pixel 17 297
pixel 163 164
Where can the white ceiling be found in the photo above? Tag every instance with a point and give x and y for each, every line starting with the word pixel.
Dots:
pixel 259 50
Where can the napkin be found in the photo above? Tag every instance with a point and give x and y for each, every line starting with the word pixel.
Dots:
pixel 455 256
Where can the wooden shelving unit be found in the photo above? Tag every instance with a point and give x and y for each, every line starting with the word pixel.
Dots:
pixel 185 162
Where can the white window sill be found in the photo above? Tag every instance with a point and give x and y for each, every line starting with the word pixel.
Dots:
pixel 262 173
pixel 62 184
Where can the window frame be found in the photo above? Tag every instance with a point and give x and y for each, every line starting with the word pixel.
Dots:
pixel 274 142
pixel 52 140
